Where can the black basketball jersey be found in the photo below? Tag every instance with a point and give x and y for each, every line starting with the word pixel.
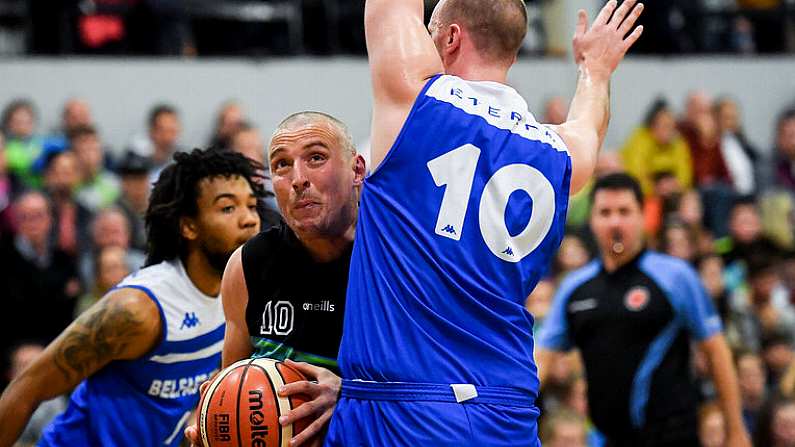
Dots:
pixel 295 304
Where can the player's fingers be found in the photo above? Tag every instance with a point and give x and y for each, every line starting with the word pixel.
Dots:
pixel 308 370
pixel 605 13
pixel 310 431
pixel 192 433
pixel 582 23
pixel 632 38
pixel 306 409
pixel 627 24
pixel 621 12
pixel 300 387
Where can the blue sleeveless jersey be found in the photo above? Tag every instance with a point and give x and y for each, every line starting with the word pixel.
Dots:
pixel 148 401
pixel 455 229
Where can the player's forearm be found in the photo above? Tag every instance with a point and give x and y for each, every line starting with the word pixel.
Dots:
pixel 725 381
pixel 16 405
pixel 590 107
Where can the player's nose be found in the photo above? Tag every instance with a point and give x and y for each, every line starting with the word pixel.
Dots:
pixel 300 179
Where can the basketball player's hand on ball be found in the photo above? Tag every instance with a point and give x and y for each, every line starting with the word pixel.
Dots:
pixel 599 49
pixel 192 430
pixel 321 399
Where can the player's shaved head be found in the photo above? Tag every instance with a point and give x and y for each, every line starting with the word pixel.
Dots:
pixel 309 118
pixel 497 27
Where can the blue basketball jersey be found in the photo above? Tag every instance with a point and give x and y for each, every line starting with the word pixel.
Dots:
pixel 148 401
pixel 455 228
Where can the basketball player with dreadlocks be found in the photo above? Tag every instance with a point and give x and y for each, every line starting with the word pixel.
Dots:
pixel 138 356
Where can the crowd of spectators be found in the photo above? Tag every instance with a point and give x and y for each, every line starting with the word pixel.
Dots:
pixel 279 27
pixel 727 207
pixel 71 227
pixel 72 213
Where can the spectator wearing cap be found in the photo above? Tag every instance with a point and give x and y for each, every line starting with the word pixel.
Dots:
pixel 133 169
pixel 98 187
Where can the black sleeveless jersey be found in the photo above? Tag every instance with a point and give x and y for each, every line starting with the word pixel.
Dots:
pixel 295 304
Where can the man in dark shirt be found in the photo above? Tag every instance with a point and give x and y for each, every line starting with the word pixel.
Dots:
pixel 284 290
pixel 633 314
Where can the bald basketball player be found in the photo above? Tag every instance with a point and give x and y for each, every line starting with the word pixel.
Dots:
pixel 284 290
pixel 438 348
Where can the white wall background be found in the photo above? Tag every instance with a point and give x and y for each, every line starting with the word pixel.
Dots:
pixel 122 91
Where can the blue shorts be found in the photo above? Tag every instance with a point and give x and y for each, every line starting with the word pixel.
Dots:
pixel 372 414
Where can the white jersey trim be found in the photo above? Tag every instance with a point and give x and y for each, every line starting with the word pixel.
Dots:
pixel 500 105
pixel 203 353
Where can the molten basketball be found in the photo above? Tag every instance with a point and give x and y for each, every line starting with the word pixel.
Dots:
pixel 241 406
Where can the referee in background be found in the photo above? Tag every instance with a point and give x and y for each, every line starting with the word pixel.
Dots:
pixel 633 314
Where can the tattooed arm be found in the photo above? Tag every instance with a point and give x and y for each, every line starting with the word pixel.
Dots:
pixel 123 325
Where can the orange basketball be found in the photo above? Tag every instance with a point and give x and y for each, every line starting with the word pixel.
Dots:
pixel 241 406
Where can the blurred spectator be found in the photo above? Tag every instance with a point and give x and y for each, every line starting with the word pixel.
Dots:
pixel 563 428
pixel 40 281
pixel 20 357
pixel 778 355
pixel 700 129
pixel 538 302
pixel 110 265
pixel 109 229
pixel 134 171
pixel 7 190
pixel 752 379
pixel 228 122
pixel 61 177
pixel 745 235
pixel 777 426
pixel 690 211
pixel 710 269
pixel 164 133
pixel 555 110
pixel 762 309
pixel 22 146
pixel 76 113
pixel 572 255
pixel 98 188
pixel 679 241
pixel 608 162
pixel 661 203
pixel 739 155
pixel 768 24
pixel 711 426
pixel 656 147
pixel 785 150
pixel 247 140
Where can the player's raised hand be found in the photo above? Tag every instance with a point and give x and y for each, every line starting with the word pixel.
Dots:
pixel 323 398
pixel 599 49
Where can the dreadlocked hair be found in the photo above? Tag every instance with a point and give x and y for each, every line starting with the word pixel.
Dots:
pixel 176 191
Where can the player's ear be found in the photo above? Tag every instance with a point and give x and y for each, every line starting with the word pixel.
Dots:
pixel 188 228
pixel 359 170
pixel 453 41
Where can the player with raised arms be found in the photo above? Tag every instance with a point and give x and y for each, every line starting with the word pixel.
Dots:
pixel 460 218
